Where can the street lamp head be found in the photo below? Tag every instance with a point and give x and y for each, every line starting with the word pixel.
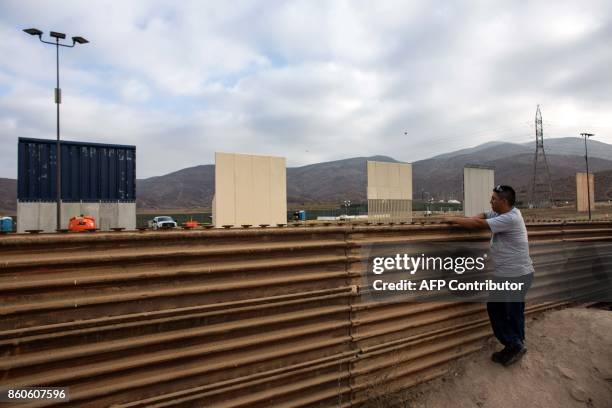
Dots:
pixel 79 40
pixel 33 31
pixel 59 36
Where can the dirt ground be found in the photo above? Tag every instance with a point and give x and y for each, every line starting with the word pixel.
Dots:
pixel 568 364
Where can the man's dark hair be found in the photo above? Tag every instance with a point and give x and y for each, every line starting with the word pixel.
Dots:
pixel 506 192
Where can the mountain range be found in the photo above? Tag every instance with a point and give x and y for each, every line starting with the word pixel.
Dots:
pixel 438 177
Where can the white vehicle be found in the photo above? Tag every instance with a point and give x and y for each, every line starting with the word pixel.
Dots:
pixel 162 222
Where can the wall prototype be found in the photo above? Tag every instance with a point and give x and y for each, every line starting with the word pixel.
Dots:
pixel 389 191
pixel 582 191
pixel 89 172
pixel 96 179
pixel 478 182
pixel 249 189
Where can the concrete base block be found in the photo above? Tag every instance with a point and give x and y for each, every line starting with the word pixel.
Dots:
pixel 70 210
pixel 42 216
pixel 126 215
pixel 108 216
pixel 92 209
pixel 47 216
pixel 30 214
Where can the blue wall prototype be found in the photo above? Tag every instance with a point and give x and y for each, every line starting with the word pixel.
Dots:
pixel 90 171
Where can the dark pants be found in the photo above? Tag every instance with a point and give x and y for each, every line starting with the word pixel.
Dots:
pixel 508 317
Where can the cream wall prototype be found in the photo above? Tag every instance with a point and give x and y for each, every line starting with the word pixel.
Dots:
pixel 249 190
pixel 389 180
pixel 389 191
pixel 582 203
pixel 478 183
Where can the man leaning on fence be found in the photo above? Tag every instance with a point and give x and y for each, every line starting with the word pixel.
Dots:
pixel 512 263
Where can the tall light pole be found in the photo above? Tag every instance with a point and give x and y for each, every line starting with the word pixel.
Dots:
pixel 58 100
pixel 347 205
pixel 588 180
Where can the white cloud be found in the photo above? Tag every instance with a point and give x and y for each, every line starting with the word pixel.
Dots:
pixel 134 90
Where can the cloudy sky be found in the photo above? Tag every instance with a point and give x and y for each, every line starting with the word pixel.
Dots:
pixel 309 80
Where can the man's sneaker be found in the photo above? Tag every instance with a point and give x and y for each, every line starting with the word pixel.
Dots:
pixel 513 356
pixel 498 356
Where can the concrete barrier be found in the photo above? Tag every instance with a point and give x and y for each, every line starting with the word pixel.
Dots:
pixel 42 215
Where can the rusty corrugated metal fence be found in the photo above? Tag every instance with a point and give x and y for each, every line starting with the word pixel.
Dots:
pixel 231 318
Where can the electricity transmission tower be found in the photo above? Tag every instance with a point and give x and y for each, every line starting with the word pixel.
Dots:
pixel 541 186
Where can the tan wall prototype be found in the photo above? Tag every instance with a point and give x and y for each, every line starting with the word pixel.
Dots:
pixel 389 191
pixel 582 203
pixel 477 186
pixel 249 189
pixel 389 181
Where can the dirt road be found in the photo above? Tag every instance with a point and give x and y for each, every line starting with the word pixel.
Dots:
pixel 568 364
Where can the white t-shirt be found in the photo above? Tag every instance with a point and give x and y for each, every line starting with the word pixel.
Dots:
pixel 509 245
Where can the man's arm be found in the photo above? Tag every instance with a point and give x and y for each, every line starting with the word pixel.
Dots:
pixel 476 222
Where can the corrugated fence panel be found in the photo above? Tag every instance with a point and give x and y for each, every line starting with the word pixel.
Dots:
pixel 404 343
pixel 229 318
pixel 226 317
